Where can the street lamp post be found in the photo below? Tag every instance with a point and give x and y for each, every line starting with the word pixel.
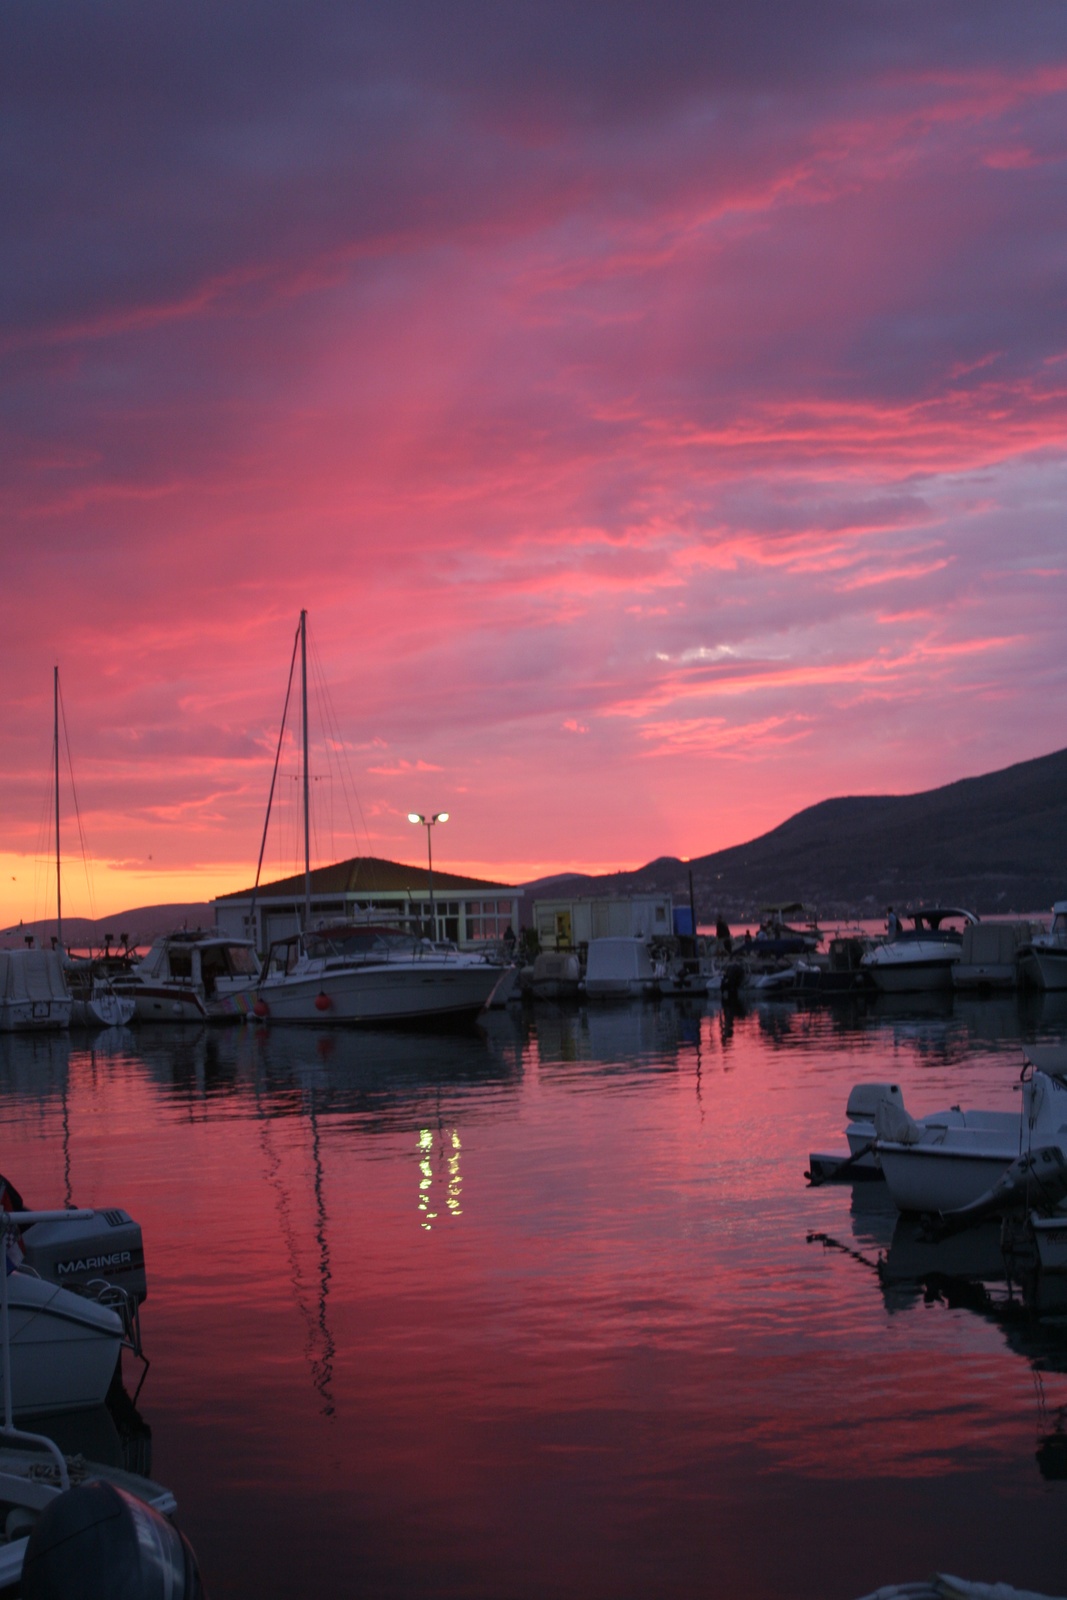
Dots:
pixel 427 823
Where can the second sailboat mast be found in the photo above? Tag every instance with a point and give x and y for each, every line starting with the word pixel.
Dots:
pixel 55 737
pixel 307 821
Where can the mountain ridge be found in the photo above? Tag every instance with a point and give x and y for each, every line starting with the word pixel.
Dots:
pixel 993 843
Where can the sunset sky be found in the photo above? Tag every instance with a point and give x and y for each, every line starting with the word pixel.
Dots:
pixel 660 409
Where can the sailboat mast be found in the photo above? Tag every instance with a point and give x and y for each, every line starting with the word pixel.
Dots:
pixel 307 821
pixel 55 740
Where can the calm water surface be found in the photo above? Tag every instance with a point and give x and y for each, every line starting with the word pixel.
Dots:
pixel 536 1311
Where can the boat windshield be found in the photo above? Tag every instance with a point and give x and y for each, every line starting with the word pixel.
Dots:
pixel 353 943
pixel 1059 923
pixel 243 961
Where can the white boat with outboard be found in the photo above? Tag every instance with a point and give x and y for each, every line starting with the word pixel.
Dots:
pixel 60 1349
pixel 373 975
pixel 193 977
pixel 1043 962
pixel 71 1526
pixel 951 1159
pixel 64 1347
pixel 33 991
pixel 860 1162
pixel 554 975
pixel 618 969
pixel 919 958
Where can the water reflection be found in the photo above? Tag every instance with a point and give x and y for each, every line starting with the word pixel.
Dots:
pixel 534 1310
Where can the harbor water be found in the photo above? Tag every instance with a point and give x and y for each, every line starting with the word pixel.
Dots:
pixel 549 1309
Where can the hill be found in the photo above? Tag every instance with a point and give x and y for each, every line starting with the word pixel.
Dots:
pixel 143 924
pixel 995 843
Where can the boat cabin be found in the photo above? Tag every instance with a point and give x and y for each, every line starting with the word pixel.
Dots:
pixel 201 961
pixel 928 923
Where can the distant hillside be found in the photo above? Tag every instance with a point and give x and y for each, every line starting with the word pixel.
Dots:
pixel 141 925
pixel 997 843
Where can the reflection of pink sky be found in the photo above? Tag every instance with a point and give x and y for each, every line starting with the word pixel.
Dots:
pixel 613 1308
pixel 646 479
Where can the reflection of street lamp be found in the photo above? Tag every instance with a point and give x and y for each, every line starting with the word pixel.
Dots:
pixel 427 823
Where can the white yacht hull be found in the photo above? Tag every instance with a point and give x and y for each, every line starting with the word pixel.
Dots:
pixel 64 1348
pixel 1050 1236
pixel 916 976
pixel 386 994
pixel 618 988
pixel 1045 968
pixel 104 1010
pixel 30 1016
pixel 931 1178
pixel 172 1002
pixel 505 987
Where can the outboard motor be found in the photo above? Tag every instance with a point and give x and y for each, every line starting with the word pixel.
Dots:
pixel 108 1246
pixel 97 1542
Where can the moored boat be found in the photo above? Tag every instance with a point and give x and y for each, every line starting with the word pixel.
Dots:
pixel 193 977
pixel 355 973
pixel 555 975
pixel 860 1162
pixel 94 1001
pixel 914 960
pixel 1043 961
pixel 618 969
pixel 989 955
pixel 33 991
pixel 951 1159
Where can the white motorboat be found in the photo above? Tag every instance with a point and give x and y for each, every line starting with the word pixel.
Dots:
pixel 922 957
pixel 94 1002
pixel 555 975
pixel 63 1347
pixel 863 1101
pixel 618 969
pixel 989 955
pixel 69 1524
pixel 683 978
pixel 355 973
pixel 193 977
pixel 769 985
pixel 951 1159
pixel 33 991
pixel 1043 962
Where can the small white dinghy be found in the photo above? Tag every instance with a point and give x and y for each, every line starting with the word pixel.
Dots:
pixel 952 1159
pixel 60 1349
pixel 74 1526
pixel 861 1162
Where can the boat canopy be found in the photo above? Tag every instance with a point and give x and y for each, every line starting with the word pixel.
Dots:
pixel 933 916
pixel 32 975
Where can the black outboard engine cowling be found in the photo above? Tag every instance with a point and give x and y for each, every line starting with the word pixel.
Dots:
pixel 97 1542
pixel 107 1246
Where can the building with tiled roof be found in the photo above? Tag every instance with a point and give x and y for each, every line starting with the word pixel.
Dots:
pixel 468 911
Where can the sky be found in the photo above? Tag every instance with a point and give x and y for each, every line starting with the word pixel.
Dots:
pixel 660 411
